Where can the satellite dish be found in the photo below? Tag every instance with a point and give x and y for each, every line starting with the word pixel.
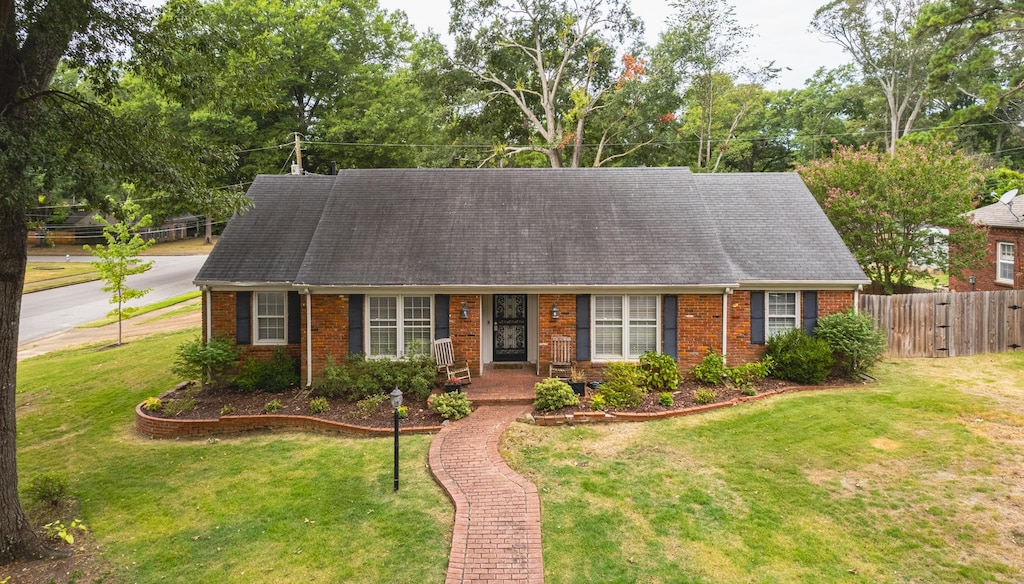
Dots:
pixel 1008 196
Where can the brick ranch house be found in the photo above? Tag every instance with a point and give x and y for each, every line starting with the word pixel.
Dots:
pixel 622 260
pixel 1001 269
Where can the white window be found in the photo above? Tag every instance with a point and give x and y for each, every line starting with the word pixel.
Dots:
pixel 1004 262
pixel 625 326
pixel 782 311
pixel 271 314
pixel 399 333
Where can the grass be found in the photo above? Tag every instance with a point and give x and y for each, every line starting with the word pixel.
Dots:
pixel 46 275
pixel 133 312
pixel 191 246
pixel 913 479
pixel 258 507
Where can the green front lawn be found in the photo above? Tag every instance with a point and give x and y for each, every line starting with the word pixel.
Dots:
pixel 908 480
pixel 282 507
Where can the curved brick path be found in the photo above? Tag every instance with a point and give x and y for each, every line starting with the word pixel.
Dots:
pixel 497 512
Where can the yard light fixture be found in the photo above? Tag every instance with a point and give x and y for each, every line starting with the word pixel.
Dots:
pixel 465 310
pixel 554 311
pixel 396 402
pixel 972 280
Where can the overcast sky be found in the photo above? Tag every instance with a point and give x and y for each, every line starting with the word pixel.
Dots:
pixel 780 29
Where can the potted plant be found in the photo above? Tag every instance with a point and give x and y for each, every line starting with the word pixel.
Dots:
pixel 452 385
pixel 578 381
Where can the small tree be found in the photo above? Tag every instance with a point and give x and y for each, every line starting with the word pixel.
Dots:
pixel 120 257
pixel 855 341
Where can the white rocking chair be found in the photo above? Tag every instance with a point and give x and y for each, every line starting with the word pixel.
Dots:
pixel 445 358
pixel 561 357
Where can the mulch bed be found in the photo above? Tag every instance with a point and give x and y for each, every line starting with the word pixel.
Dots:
pixel 295 402
pixel 683 398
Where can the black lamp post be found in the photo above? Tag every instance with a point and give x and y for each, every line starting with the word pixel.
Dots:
pixel 396 402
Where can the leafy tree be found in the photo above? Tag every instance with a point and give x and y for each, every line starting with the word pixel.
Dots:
pixel 554 61
pixel 120 257
pixel 888 209
pixel 880 36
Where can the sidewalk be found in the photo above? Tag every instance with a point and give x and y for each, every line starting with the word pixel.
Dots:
pixel 497 535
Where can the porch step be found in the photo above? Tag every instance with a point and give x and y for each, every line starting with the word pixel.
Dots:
pixel 500 401
pixel 511 366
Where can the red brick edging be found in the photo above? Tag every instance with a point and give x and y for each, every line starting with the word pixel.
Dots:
pixel 162 428
pixel 585 417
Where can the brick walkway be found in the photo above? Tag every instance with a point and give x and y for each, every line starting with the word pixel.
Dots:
pixel 497 512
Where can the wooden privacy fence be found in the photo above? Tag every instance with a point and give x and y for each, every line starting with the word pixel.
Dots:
pixel 948 324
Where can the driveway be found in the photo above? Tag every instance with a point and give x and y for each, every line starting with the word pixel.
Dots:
pixel 52 311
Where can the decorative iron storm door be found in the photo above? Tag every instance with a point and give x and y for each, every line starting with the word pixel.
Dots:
pixel 510 327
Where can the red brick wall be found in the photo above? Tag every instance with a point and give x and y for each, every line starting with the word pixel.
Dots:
pixel 833 301
pixel 465 332
pixel 986 275
pixel 700 327
pixel 564 325
pixel 223 316
pixel 330 331
pixel 739 349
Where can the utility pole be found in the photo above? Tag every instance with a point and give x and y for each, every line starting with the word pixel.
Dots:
pixel 298 153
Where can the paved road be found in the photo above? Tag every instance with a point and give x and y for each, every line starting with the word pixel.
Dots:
pixel 51 311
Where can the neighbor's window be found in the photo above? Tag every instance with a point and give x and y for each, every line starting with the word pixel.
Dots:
pixel 782 311
pixel 1004 261
pixel 625 322
pixel 270 317
pixel 399 333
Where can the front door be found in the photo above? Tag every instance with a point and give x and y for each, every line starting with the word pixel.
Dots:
pixel 510 327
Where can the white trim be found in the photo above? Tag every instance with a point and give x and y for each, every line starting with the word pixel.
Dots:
pixel 309 339
pixel 399 323
pixel 256 340
pixel 725 326
pixel 625 356
pixel 1000 262
pixel 209 314
pixel 641 289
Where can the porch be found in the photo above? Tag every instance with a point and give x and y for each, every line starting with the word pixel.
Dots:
pixel 503 384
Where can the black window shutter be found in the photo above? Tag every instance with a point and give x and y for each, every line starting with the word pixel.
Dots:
pixel 810 311
pixel 441 328
pixel 670 325
pixel 583 327
pixel 355 324
pixel 757 318
pixel 243 318
pixel 294 318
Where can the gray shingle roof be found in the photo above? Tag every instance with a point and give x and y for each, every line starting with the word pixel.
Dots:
pixel 999 215
pixel 530 227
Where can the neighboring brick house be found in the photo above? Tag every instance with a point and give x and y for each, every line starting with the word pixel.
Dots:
pixel 622 260
pixel 1004 250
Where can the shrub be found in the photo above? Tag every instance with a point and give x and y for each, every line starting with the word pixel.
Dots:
pixel 748 391
pixel 319 405
pixel 152 404
pixel 403 412
pixel 711 369
pixel 51 488
pixel 451 406
pixel 275 375
pixel 660 372
pixel 800 358
pixel 357 377
pixel 227 410
pixel 553 394
pixel 211 364
pixel 665 399
pixel 272 407
pixel 598 403
pixel 621 388
pixel 56 530
pixel 176 407
pixel 704 395
pixel 744 376
pixel 855 342
pixel 369 404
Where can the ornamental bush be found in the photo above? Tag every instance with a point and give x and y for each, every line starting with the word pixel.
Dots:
pixel 553 394
pixel 211 363
pixel 275 375
pixel 357 377
pixel 711 370
pixel 660 372
pixel 621 387
pixel 855 342
pixel 451 406
pixel 799 357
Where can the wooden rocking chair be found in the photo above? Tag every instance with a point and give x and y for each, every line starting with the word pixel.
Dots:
pixel 445 358
pixel 561 357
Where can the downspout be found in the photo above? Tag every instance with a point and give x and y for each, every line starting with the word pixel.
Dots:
pixel 309 337
pixel 725 323
pixel 209 314
pixel 856 298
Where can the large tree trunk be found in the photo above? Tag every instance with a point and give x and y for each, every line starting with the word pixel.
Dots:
pixel 17 540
